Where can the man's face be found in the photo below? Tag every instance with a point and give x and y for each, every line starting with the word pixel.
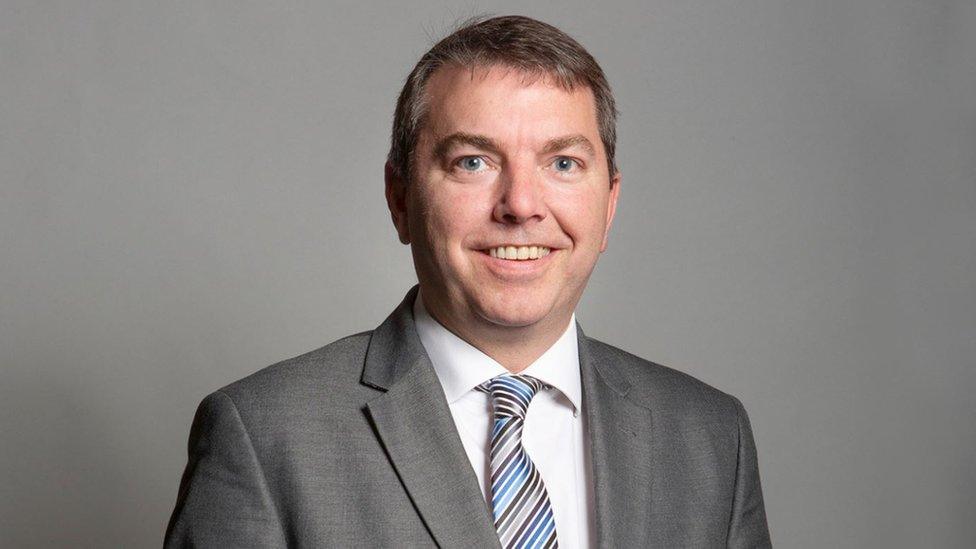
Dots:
pixel 511 200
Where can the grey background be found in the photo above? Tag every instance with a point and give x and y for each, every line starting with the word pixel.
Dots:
pixel 191 191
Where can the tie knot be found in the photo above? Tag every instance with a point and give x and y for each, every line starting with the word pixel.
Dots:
pixel 511 393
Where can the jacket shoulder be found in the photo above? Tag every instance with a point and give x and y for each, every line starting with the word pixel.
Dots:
pixel 326 374
pixel 663 388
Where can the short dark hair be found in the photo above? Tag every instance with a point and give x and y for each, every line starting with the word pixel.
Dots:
pixel 511 41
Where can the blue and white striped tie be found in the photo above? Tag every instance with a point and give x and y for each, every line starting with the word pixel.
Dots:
pixel 519 501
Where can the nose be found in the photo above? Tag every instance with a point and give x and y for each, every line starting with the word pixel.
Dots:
pixel 522 196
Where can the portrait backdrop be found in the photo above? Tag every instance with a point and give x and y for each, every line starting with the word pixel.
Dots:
pixel 192 191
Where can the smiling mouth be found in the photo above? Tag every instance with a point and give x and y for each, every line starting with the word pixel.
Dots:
pixel 518 253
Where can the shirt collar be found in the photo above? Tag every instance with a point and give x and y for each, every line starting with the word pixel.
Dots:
pixel 461 367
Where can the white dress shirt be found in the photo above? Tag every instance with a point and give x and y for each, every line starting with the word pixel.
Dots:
pixel 554 432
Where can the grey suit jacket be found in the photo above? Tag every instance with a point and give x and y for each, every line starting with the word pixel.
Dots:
pixel 353 445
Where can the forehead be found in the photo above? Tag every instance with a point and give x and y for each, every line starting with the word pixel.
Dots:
pixel 499 101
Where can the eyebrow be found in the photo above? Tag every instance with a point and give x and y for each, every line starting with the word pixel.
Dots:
pixel 566 142
pixel 444 145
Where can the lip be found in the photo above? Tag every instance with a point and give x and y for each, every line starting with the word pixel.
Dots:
pixel 513 270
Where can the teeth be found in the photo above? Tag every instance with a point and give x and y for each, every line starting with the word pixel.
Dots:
pixel 519 253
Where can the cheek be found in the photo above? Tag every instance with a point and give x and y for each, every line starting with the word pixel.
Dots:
pixel 582 215
pixel 449 216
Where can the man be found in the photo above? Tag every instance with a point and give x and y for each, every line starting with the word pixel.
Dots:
pixel 478 414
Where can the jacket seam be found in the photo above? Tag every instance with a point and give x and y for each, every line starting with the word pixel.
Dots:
pixel 738 466
pixel 263 478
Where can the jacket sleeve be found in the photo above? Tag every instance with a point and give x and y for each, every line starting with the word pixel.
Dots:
pixel 223 499
pixel 747 527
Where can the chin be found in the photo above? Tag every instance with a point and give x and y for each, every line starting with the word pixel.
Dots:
pixel 514 312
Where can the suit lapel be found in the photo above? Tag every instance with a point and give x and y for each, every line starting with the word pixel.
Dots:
pixel 619 432
pixel 415 425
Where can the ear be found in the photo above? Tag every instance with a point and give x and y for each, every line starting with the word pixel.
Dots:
pixel 396 200
pixel 611 208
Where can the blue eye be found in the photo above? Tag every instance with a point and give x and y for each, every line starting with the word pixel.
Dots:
pixel 472 163
pixel 564 164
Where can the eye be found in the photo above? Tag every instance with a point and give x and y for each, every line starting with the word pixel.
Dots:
pixel 565 164
pixel 471 163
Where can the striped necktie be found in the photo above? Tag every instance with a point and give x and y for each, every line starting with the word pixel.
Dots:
pixel 519 500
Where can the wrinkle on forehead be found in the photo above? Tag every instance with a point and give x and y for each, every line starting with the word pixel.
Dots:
pixel 441 86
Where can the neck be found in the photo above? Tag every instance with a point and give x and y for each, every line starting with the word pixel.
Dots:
pixel 514 347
